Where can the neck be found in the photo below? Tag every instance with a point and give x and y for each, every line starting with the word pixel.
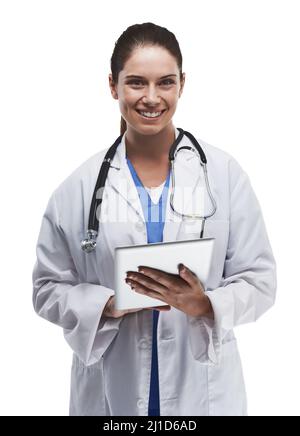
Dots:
pixel 150 147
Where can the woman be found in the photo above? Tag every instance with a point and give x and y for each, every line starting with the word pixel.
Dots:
pixel 130 362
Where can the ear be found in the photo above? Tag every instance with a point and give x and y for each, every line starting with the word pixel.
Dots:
pixel 113 87
pixel 182 84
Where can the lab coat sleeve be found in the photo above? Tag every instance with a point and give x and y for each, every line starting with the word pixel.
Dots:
pixel 248 287
pixel 59 297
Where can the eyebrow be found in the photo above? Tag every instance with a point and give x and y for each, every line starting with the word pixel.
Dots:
pixel 141 77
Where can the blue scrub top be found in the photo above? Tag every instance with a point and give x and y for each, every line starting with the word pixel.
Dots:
pixel 154 215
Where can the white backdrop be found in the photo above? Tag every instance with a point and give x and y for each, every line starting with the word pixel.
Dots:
pixel 242 93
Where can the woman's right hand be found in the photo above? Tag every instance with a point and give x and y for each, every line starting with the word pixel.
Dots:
pixel 110 311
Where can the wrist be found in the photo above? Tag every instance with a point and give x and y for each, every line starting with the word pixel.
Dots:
pixel 206 308
pixel 107 311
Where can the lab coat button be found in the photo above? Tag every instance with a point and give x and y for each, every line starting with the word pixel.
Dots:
pixel 143 343
pixel 141 403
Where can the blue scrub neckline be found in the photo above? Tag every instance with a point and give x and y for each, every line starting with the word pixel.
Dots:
pixel 166 183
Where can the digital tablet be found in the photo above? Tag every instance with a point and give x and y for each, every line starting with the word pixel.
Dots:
pixel 196 254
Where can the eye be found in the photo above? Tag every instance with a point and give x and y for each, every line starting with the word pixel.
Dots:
pixel 137 83
pixel 168 81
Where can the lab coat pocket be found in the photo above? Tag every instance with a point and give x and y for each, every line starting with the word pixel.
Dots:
pixel 226 387
pixel 87 389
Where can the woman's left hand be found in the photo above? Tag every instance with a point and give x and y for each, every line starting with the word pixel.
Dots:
pixel 184 291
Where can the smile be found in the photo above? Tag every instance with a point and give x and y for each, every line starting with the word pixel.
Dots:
pixel 150 115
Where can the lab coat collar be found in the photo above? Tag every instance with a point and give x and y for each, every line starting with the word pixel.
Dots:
pixel 187 176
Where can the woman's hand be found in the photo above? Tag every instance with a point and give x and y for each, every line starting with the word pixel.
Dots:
pixel 110 311
pixel 184 291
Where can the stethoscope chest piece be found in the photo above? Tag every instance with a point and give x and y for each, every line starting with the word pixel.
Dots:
pixel 89 244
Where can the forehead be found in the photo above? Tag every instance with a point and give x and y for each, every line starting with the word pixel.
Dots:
pixel 150 62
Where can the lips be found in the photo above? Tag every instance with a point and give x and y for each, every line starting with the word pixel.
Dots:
pixel 139 111
pixel 152 111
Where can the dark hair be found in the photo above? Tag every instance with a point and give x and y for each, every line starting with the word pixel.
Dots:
pixel 141 35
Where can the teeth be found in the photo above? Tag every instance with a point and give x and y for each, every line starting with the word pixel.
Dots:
pixel 150 114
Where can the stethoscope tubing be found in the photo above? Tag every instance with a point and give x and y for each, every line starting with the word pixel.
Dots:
pixel 89 243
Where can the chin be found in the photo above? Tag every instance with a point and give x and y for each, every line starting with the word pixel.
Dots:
pixel 151 130
pixel 147 130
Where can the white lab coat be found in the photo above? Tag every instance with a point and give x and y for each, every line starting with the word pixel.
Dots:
pixel 200 371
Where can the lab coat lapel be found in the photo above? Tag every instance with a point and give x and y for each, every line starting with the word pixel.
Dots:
pixel 120 179
pixel 188 176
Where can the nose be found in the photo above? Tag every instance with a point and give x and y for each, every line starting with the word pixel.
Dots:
pixel 151 96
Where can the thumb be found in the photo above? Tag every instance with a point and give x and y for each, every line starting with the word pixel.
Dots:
pixel 163 308
pixel 188 275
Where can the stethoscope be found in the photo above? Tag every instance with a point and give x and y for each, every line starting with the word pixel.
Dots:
pixel 89 243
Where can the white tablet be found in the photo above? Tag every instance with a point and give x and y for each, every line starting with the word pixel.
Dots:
pixel 196 254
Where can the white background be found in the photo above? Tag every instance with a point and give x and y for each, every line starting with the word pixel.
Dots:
pixel 242 94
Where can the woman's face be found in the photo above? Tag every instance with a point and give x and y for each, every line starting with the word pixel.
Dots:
pixel 153 88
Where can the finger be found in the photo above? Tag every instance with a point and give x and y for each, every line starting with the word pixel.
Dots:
pixel 160 308
pixel 141 289
pixel 163 308
pixel 164 278
pixel 147 282
pixel 189 276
